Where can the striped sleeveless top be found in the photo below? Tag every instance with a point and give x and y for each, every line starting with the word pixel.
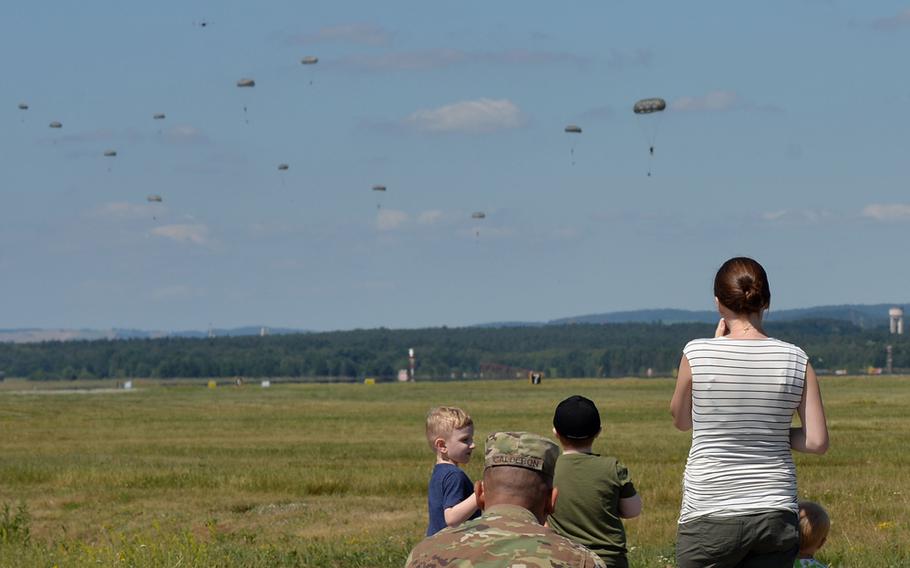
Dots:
pixel 744 394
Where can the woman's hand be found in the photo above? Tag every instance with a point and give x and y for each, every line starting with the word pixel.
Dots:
pixel 721 328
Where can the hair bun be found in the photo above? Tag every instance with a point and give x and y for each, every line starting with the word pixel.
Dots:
pixel 742 285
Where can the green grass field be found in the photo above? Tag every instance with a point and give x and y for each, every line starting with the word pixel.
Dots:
pixel 335 475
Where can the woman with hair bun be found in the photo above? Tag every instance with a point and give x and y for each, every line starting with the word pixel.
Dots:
pixel 738 392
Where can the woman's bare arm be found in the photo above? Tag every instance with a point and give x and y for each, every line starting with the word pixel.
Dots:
pixel 812 434
pixel 681 404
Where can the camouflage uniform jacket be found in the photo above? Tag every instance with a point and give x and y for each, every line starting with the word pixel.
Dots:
pixel 505 536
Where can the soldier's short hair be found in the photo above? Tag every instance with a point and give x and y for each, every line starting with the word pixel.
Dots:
pixel 443 420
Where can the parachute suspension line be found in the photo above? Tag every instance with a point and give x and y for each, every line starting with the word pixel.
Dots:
pixel 649 125
pixel 246 84
pixel 379 190
pixel 572 131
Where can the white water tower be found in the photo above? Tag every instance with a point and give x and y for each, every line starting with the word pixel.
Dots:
pixel 896 315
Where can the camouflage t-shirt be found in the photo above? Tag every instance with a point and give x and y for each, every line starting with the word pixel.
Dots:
pixel 505 536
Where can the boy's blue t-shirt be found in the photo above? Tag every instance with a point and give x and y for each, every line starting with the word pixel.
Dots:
pixel 449 486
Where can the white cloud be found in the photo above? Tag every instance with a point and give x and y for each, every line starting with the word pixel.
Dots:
pixel 622 58
pixel 127 210
pixel 478 116
pixel 288 264
pixel 713 101
pixel 407 61
pixel 196 234
pixel 358 33
pixel 796 216
pixel 390 219
pixel 718 101
pixel 774 215
pixel 887 211
pixel 374 285
pixel 561 233
pixel 486 232
pixel 602 112
pixel 442 58
pixel 185 134
pixel 175 292
pixel 429 217
pixel 891 23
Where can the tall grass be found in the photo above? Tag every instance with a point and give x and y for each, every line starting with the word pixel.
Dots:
pixel 335 475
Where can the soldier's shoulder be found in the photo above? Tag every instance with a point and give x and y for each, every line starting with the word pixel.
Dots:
pixel 574 554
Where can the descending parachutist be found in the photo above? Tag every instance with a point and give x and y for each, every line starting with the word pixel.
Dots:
pixel 652 150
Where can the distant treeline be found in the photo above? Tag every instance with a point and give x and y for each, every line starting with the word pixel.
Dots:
pixel 581 350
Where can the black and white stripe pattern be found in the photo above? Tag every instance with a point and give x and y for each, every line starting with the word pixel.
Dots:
pixel 744 394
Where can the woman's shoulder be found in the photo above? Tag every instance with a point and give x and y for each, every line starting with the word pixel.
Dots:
pixel 795 349
pixel 698 342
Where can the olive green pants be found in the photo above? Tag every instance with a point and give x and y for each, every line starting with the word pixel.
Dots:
pixel 764 540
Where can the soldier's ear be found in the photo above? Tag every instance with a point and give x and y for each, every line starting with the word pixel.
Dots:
pixel 551 502
pixel 478 494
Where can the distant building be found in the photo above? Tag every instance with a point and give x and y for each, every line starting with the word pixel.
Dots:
pixel 896 317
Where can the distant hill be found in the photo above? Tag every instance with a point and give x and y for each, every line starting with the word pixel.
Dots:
pixel 862 315
pixel 34 335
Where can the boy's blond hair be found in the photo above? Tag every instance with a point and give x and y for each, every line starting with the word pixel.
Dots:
pixel 443 420
pixel 814 525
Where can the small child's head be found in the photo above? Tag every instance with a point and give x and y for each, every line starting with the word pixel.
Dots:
pixel 450 433
pixel 576 422
pixel 813 527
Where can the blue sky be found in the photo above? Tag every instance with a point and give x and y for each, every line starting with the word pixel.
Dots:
pixel 785 138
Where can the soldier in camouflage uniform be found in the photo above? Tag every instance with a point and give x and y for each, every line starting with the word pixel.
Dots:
pixel 516 496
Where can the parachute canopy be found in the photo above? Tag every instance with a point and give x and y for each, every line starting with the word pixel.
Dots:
pixel 23 106
pixel 647 106
pixel 573 129
pixel 154 198
pixel 158 116
pixel 478 215
pixel 282 167
pixel 246 83
pixel 309 60
pixel 110 153
pixel 56 124
pixel 378 188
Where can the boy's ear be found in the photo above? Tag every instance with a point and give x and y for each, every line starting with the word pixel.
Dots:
pixel 439 444
pixel 551 502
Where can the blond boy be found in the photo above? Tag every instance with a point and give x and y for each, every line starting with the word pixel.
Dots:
pixel 814 525
pixel 450 497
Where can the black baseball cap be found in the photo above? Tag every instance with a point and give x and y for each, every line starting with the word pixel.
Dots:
pixel 577 418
